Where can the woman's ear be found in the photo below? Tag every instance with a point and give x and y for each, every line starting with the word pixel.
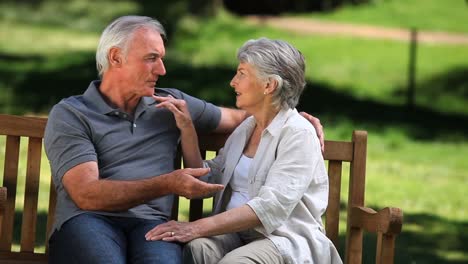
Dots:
pixel 271 86
pixel 115 57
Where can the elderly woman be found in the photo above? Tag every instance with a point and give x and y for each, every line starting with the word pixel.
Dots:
pixel 276 183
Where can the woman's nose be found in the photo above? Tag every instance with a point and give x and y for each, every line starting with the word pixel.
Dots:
pixel 232 83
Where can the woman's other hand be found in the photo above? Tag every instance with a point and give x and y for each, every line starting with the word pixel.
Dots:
pixel 173 231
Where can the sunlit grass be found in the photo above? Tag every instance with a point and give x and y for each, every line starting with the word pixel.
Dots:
pixel 44 41
pixel 366 69
pixel 423 14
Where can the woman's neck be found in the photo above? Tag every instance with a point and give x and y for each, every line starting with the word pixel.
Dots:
pixel 263 118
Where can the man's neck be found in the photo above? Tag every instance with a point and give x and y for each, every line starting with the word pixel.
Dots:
pixel 113 94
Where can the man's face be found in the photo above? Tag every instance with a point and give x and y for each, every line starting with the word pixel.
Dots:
pixel 143 63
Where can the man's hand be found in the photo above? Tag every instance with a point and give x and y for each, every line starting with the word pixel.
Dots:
pixel 318 128
pixel 186 184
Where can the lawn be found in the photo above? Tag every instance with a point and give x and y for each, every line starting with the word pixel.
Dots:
pixel 429 15
pixel 416 158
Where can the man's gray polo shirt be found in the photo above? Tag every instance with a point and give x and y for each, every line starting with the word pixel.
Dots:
pixel 85 128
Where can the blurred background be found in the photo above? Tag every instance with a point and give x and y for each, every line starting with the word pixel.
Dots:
pixel 396 68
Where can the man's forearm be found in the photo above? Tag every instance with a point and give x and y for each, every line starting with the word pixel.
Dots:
pixel 91 193
pixel 112 195
pixel 230 119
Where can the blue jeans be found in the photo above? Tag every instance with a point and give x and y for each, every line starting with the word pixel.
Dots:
pixel 92 238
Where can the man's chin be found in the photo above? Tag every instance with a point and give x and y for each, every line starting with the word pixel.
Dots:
pixel 150 90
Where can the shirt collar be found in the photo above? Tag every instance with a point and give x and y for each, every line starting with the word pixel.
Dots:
pixel 274 128
pixel 94 99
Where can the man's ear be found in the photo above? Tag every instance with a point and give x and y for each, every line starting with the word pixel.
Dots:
pixel 115 57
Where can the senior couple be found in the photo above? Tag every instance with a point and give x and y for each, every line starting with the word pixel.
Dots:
pixel 112 148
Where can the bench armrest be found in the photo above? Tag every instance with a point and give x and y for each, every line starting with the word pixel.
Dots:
pixel 387 221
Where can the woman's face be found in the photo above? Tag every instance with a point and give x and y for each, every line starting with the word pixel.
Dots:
pixel 248 88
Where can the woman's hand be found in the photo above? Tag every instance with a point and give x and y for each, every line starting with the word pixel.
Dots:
pixel 178 107
pixel 173 231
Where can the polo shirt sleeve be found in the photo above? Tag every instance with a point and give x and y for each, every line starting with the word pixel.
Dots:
pixel 206 116
pixel 67 141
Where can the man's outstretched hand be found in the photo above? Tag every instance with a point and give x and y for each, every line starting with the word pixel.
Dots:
pixel 185 183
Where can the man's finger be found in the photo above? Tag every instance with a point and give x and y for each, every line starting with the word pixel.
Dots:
pixel 212 188
pixel 197 172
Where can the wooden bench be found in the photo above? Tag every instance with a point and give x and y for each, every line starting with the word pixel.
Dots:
pixel 386 223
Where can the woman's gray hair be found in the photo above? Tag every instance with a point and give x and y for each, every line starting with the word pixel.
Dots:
pixel 118 34
pixel 278 60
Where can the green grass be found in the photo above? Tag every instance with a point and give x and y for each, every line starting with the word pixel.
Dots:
pixel 366 69
pixel 26 39
pixel 431 15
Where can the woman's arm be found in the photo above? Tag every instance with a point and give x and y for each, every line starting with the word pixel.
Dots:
pixel 234 220
pixel 188 134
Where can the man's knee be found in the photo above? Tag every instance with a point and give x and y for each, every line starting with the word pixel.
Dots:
pixel 86 239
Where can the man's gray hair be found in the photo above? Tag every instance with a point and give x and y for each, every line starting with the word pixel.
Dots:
pixel 118 33
pixel 278 60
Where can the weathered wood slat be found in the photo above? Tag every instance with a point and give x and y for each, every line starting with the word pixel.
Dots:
pixel 22 126
pixel 28 226
pixel 332 214
pixel 10 180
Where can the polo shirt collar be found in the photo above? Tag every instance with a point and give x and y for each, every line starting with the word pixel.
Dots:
pixel 94 99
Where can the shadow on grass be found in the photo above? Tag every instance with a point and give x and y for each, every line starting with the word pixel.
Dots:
pixel 420 123
pixel 35 85
pixel 425 239
pixel 453 83
pixel 428 238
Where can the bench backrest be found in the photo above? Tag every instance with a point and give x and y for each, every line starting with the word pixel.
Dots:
pixel 16 127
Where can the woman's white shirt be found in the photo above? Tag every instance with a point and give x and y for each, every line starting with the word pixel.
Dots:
pixel 238 183
pixel 287 183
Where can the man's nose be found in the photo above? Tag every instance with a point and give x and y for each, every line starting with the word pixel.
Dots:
pixel 160 69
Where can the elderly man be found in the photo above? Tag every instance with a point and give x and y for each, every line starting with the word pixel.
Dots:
pixel 111 153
